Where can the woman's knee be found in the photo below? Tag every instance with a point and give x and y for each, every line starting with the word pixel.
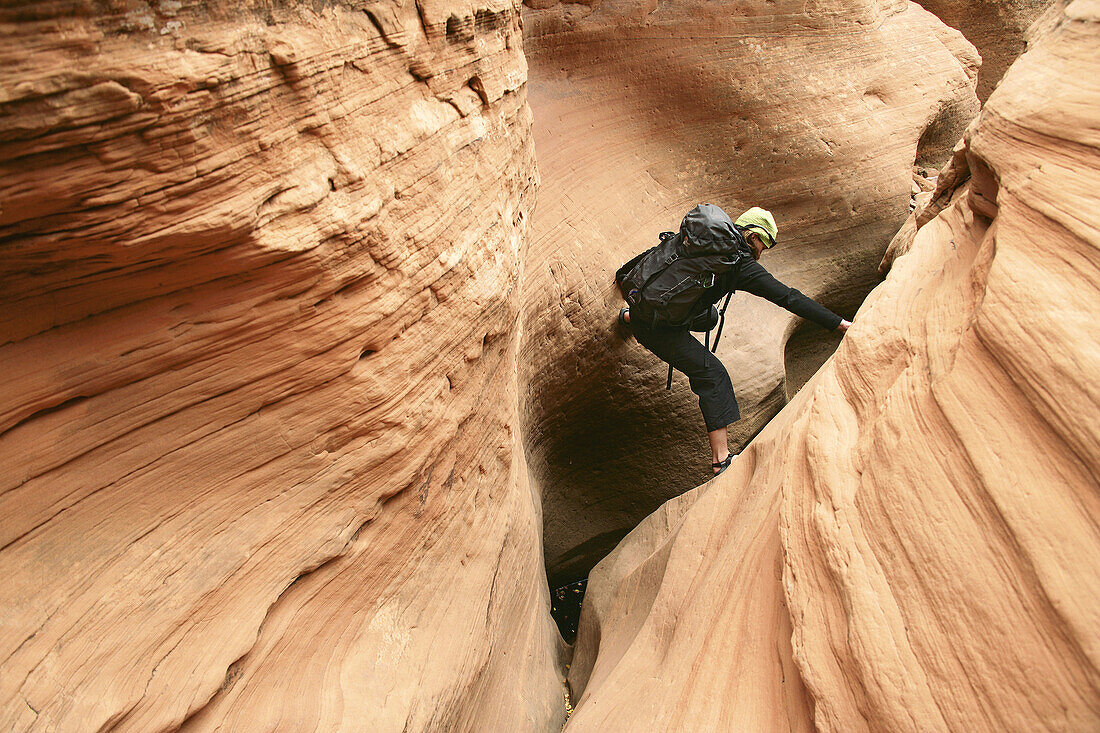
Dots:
pixel 711 382
pixel 712 370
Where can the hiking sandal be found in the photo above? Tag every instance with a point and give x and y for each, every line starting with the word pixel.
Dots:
pixel 723 465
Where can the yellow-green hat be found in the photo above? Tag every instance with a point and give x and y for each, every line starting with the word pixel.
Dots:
pixel 763 222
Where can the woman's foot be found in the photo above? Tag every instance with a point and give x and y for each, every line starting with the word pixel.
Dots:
pixel 723 464
pixel 622 325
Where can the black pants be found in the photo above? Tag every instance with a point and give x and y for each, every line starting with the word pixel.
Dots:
pixel 706 373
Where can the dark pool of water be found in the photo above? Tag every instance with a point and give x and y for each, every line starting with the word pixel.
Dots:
pixel 565 607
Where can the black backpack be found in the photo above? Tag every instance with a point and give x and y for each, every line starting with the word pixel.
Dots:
pixel 663 285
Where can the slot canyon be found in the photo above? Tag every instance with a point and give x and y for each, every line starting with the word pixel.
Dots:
pixel 314 395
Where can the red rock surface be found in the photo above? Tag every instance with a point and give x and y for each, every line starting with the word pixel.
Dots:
pixel 268 314
pixel 923 515
pixel 998 28
pixel 642 111
pixel 261 466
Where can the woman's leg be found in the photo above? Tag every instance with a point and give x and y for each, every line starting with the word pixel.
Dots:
pixel 706 374
pixel 719 445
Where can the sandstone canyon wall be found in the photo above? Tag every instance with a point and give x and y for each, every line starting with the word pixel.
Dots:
pixel 912 544
pixel 998 28
pixel 815 111
pixel 258 427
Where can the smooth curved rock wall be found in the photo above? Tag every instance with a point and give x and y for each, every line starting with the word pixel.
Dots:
pixel 261 467
pixel 916 533
pixel 997 28
pixel 641 112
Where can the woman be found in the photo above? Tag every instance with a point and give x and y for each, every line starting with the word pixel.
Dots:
pixel 674 344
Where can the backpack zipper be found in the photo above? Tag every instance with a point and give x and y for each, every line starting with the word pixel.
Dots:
pixel 675 289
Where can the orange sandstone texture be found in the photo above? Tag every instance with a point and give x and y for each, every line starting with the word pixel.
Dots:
pixel 642 111
pixel 998 28
pixel 923 515
pixel 257 330
pixel 685 627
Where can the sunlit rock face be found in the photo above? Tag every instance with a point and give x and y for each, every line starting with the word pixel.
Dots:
pixel 998 28
pixel 258 420
pixel 912 544
pixel 643 111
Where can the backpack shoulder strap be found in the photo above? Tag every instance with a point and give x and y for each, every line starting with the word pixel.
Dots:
pixel 721 322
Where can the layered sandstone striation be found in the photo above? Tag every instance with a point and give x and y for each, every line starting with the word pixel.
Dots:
pixel 998 28
pixel 258 424
pixel 916 533
pixel 642 111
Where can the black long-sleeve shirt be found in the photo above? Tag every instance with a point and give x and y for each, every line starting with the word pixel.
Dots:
pixel 751 277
